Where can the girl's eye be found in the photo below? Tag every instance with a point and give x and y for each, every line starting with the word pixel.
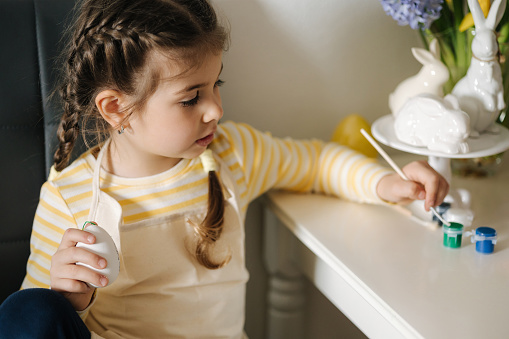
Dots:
pixel 195 100
pixel 191 102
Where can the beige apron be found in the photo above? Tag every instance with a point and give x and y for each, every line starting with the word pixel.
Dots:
pixel 162 291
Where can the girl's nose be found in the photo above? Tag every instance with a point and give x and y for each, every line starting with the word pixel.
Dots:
pixel 214 111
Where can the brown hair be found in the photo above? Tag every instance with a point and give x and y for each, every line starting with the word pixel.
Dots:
pixel 110 47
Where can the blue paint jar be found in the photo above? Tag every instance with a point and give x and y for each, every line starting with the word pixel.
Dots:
pixel 485 239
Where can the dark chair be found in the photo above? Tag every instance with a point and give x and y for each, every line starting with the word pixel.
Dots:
pixel 32 33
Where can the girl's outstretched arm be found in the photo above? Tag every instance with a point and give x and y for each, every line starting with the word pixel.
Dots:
pixel 424 184
pixel 266 162
pixel 311 165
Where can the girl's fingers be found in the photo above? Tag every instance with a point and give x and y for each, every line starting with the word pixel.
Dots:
pixel 435 186
pixel 70 278
pixel 442 191
pixel 72 236
pixel 436 191
pixel 79 274
pixel 431 194
pixel 72 255
pixel 67 276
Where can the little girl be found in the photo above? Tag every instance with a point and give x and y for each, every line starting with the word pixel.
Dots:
pixel 169 184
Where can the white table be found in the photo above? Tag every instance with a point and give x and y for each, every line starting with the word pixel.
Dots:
pixel 391 276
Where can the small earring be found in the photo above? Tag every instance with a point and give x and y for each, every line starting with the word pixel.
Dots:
pixel 121 130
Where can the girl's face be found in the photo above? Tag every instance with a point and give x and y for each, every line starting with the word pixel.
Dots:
pixel 179 120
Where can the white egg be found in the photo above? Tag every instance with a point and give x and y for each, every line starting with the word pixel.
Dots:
pixel 104 247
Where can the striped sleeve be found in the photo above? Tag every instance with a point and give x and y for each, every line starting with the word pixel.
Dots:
pixel 303 165
pixel 52 218
pixel 346 173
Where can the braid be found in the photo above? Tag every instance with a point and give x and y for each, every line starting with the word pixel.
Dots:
pixel 76 102
pixel 67 133
pixel 212 226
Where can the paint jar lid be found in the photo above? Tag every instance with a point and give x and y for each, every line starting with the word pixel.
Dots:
pixel 453 228
pixel 486 231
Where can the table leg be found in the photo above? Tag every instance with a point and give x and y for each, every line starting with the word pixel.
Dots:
pixel 286 295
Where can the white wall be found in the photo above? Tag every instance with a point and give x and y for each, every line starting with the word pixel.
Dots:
pixel 296 67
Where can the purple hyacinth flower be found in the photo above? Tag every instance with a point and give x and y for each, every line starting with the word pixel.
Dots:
pixel 415 13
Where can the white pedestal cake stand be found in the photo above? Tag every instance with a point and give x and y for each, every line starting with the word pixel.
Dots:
pixel 485 145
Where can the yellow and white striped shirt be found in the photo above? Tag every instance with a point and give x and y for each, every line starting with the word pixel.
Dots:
pixel 258 162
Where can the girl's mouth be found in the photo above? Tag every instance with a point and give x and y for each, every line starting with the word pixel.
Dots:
pixel 206 140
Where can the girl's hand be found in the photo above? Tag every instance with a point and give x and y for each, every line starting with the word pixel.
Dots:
pixel 70 279
pixel 424 183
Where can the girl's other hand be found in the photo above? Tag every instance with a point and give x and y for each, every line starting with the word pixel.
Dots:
pixel 424 184
pixel 70 279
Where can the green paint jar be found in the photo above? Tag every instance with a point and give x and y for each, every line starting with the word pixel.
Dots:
pixel 452 235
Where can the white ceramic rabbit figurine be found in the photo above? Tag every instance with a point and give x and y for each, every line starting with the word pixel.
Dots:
pixel 481 92
pixel 430 79
pixel 427 120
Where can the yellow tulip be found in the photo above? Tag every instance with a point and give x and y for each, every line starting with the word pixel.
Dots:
pixel 468 20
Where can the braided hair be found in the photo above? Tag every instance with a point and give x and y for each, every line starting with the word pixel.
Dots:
pixel 109 48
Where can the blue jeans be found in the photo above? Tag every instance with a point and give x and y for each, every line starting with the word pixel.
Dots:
pixel 40 313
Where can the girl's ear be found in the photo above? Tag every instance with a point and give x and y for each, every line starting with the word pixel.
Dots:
pixel 110 104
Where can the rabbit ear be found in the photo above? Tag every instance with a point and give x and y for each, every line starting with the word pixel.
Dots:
pixel 496 13
pixel 434 48
pixel 477 14
pixel 423 56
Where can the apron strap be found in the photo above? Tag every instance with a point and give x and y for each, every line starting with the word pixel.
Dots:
pixel 96 181
pixel 105 210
